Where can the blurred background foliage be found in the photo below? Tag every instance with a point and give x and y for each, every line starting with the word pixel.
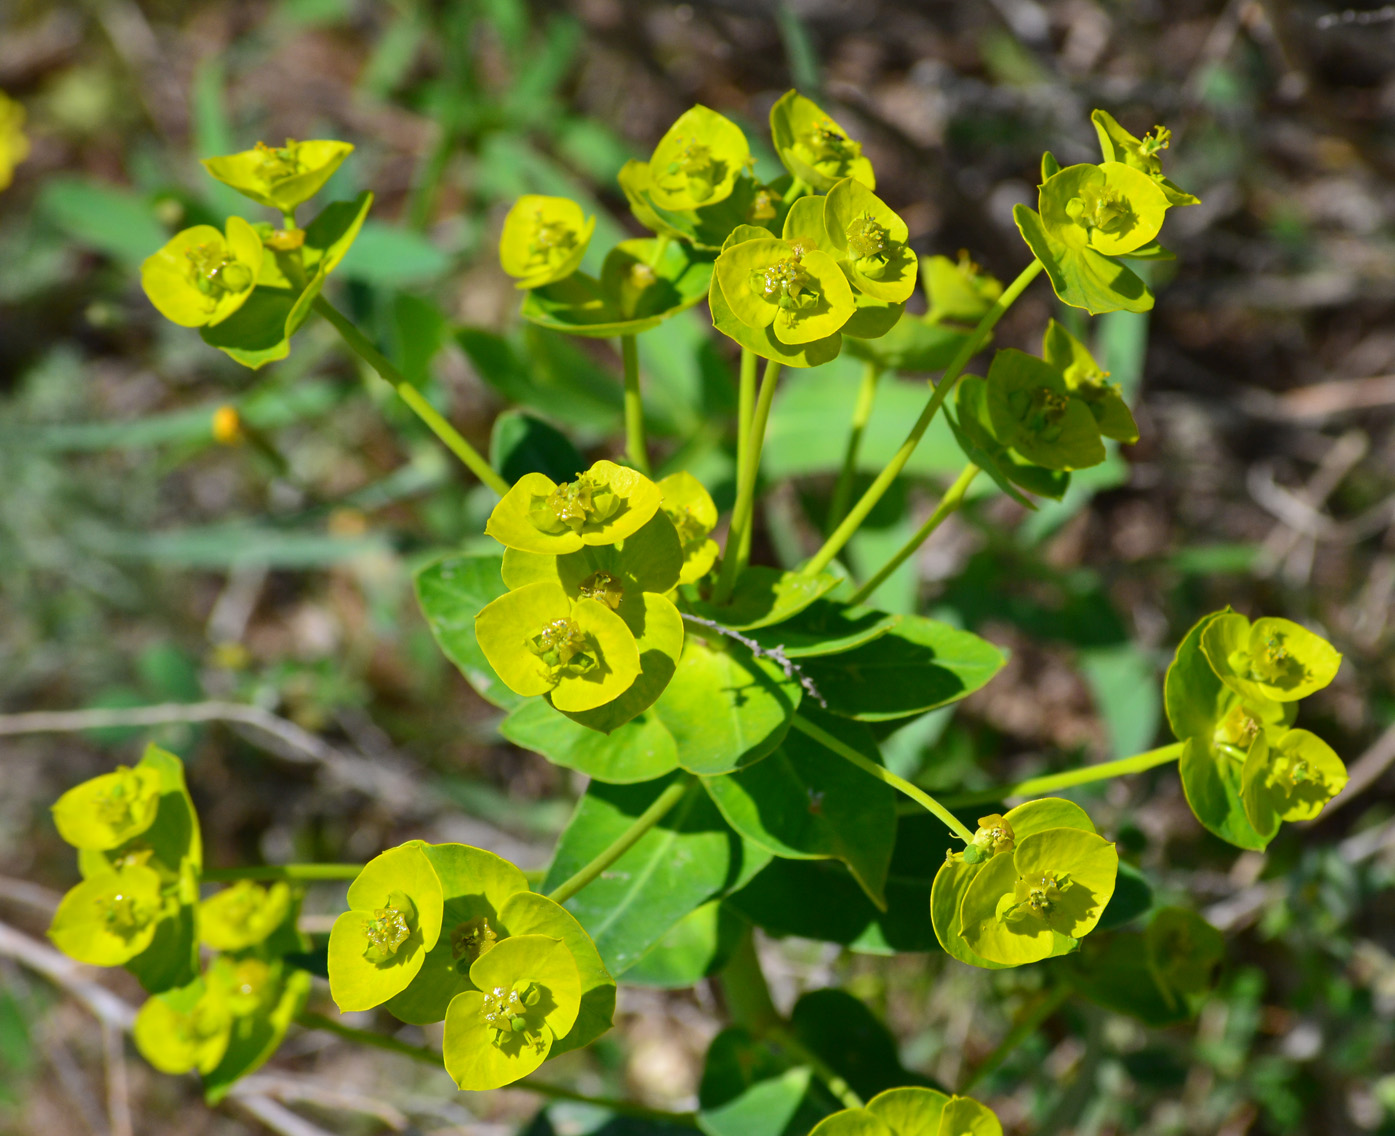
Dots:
pixel 144 564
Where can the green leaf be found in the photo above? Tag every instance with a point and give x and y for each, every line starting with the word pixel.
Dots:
pixel 825 627
pixel 109 218
pixel 1032 410
pixel 819 899
pixel 765 596
pixel 765 1109
pixel 1191 691
pixel 1211 781
pixel 451 593
pixel 697 161
pixel 640 750
pixel 521 443
pixel 946 902
pixel 724 708
pixel 696 946
pixel 688 857
pixel 918 665
pixel 1133 897
pixel 804 802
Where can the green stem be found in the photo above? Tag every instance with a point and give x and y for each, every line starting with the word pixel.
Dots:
pixel 634 407
pixel 1035 786
pixel 850 524
pixel 1030 1022
pixel 646 820
pixel 751 1007
pixel 842 491
pixel 745 411
pixel 409 394
pixel 747 993
pixel 428 1056
pixel 952 499
pixel 797 189
pixel 282 872
pixel 845 751
pixel 743 512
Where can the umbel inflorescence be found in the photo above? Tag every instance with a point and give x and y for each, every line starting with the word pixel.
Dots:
pixel 620 639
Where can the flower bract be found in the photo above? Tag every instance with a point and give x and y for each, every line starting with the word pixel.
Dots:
pixel 1055 883
pixel 540 641
pixel 1034 411
pixel 527 995
pixel 14 144
pixel 696 163
pixel 605 504
pixel 913 1111
pixel 813 147
pixel 544 239
pixel 110 917
pixel 201 276
pixel 1111 208
pixel 377 947
pixel 694 515
pixel 109 810
pixel 870 238
pixel 185 1029
pixel 1289 778
pixel 1087 380
pixel 1270 659
pixel 280 177
pixel 242 915
pixel 800 295
pixel 1118 145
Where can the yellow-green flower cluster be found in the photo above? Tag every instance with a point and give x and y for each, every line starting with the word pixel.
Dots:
pixel 913 1111
pixel 1232 697
pixel 589 564
pixel 1089 214
pixel 250 286
pixel 1030 885
pixel 14 143
pixel 449 932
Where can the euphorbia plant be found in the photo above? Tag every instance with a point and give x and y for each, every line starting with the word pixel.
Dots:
pixel 730 715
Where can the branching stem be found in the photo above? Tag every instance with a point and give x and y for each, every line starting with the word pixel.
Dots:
pixel 409 394
pixel 428 1056
pixel 862 412
pixel 1036 786
pixel 743 512
pixel 662 806
pixel 638 451
pixel 949 503
pixel 282 872
pixel 867 765
pixel 849 525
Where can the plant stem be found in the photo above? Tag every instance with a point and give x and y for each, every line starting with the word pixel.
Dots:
pixel 428 1056
pixel 411 396
pixel 750 1005
pixel 842 491
pixel 634 407
pixel 747 993
pixel 845 751
pixel 646 820
pixel 743 512
pixel 1034 786
pixel 849 525
pixel 949 503
pixel 282 872
pixel 1045 1006
pixel 745 411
